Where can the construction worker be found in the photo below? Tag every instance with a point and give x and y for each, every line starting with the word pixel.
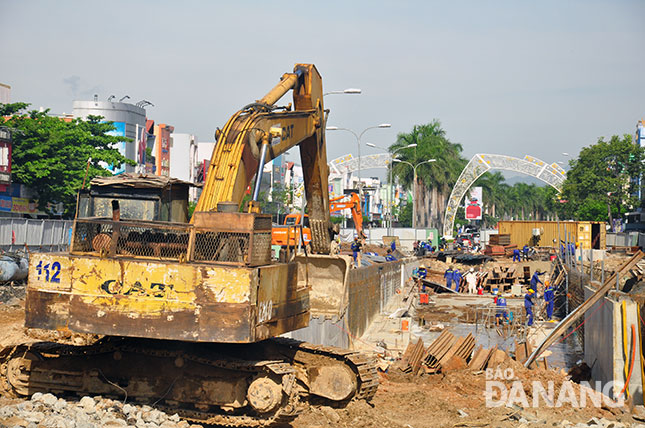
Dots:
pixel 535 279
pixel 501 315
pixel 549 297
pixel 516 255
pixel 528 305
pixel 389 257
pixel 422 273
pixel 356 251
pixel 525 253
pixel 456 276
pixel 448 274
pixel 471 280
pixel 393 245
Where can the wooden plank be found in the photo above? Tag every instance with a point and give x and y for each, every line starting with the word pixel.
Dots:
pixel 438 287
pixel 477 358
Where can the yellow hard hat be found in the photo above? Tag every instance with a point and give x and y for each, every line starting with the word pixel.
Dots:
pixel 422 266
pixel 531 290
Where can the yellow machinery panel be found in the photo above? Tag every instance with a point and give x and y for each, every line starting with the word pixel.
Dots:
pixel 184 301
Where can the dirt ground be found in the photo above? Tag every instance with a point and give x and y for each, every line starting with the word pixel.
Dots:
pixel 12 319
pixel 454 399
pixel 438 400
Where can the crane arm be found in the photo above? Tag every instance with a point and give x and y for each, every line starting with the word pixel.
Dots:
pixel 236 156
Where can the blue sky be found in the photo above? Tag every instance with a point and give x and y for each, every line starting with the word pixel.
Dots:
pixel 511 77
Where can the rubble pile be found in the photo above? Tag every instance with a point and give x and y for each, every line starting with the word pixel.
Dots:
pixel 45 410
pixel 12 294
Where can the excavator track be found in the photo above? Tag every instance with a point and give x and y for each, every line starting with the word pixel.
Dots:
pixel 360 363
pixel 285 372
pixel 21 374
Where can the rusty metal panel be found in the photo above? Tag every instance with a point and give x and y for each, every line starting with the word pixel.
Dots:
pixel 164 300
pixel 282 305
pixel 328 281
pixel 48 291
pixel 364 297
pixel 231 222
pixel 46 310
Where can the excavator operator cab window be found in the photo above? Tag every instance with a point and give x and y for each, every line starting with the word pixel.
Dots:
pixel 293 221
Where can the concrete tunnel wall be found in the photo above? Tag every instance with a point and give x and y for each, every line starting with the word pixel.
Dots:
pixel 369 290
pixel 603 350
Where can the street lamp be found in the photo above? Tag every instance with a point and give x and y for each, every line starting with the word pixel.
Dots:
pixel 344 91
pixel 390 196
pixel 358 140
pixel 414 189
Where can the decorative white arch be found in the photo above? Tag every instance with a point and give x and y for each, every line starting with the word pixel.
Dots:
pixel 551 174
pixel 348 164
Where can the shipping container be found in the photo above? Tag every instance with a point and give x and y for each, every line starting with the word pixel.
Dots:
pixel 587 234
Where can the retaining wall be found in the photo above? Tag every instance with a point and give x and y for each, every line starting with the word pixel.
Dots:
pixel 369 290
pixel 604 349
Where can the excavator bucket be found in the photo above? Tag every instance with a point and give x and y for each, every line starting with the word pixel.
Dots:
pixel 327 276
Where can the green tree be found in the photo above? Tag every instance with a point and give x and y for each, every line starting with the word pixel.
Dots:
pixel 603 173
pixel 434 180
pixel 50 155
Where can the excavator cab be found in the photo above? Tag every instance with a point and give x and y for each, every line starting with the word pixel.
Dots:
pixel 139 196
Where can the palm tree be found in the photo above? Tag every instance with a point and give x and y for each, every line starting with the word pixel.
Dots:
pixel 435 180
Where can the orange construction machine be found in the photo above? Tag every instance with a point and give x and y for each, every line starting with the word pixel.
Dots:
pixel 295 226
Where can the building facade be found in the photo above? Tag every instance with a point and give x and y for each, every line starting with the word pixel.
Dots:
pixel 5 94
pixel 129 120
pixel 183 157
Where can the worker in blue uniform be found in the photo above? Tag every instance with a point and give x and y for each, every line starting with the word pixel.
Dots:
pixel 525 253
pixel 535 279
pixel 528 305
pixel 356 251
pixel 389 257
pixel 549 297
pixel 448 275
pixel 516 255
pixel 456 276
pixel 501 314
pixel 422 273
pixel 393 245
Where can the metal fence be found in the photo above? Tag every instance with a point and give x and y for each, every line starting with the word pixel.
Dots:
pixel 37 235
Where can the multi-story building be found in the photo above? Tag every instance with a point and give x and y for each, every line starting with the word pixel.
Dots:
pixel 5 94
pixel 130 122
pixel 163 144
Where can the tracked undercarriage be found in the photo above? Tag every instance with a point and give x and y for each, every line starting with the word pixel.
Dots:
pixel 209 383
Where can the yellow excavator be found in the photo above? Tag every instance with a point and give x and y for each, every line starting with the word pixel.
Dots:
pixel 188 313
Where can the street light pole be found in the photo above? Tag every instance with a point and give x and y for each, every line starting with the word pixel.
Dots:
pixel 358 140
pixel 344 91
pixel 414 188
pixel 390 195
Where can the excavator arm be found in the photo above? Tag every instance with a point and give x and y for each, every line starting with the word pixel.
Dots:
pixel 354 204
pixel 252 132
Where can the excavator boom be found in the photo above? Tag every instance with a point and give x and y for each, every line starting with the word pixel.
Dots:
pixel 354 204
pixel 237 155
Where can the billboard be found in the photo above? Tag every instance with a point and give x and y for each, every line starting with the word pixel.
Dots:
pixel 5 157
pixel 120 146
pixel 473 202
